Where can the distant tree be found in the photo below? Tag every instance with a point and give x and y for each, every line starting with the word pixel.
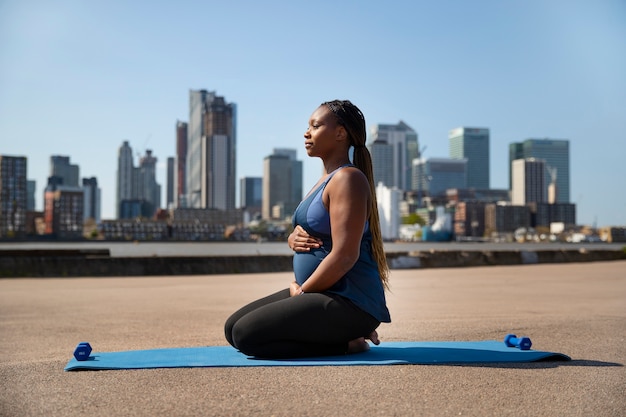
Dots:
pixel 413 218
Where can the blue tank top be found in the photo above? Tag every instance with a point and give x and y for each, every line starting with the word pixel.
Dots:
pixel 361 285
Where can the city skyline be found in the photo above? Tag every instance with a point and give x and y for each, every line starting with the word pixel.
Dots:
pixel 79 79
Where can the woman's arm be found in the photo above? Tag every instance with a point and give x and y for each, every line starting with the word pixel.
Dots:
pixel 347 198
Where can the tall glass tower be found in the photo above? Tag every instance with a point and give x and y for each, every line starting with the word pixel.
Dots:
pixel 180 173
pixel 136 185
pixel 282 184
pixel 60 166
pixel 393 148
pixel 147 189
pixel 251 192
pixel 555 153
pixel 529 184
pixel 473 144
pixel 211 151
pixel 436 175
pixel 125 177
pixel 91 199
pixel 12 196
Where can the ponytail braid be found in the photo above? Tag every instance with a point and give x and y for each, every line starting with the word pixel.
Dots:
pixel 350 117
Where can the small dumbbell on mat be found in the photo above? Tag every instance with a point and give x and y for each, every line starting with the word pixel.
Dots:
pixel 82 351
pixel 523 343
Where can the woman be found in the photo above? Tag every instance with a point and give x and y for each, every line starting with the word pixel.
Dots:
pixel 337 299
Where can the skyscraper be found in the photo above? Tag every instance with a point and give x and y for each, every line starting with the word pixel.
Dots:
pixel 282 184
pixel 393 148
pixel 91 196
pixel 472 143
pixel 180 184
pixel 251 189
pixel 13 197
pixel 555 153
pixel 137 186
pixel 147 188
pixel 169 201
pixel 63 209
pixel 295 173
pixel 388 200
pixel 125 173
pixel 433 176
pixel 61 167
pixel 211 151
pixel 529 181
pixel 382 159
pixel 31 186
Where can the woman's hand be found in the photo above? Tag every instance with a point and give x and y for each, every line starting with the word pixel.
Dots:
pixel 295 289
pixel 300 241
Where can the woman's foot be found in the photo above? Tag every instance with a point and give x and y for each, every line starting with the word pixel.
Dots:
pixel 374 338
pixel 360 344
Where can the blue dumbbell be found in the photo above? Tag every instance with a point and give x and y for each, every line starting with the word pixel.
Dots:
pixel 82 351
pixel 523 343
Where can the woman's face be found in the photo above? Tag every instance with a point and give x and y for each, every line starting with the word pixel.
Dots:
pixel 323 134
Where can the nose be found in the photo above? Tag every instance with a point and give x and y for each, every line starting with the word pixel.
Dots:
pixel 307 134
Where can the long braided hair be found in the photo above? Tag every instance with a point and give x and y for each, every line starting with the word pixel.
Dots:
pixel 350 117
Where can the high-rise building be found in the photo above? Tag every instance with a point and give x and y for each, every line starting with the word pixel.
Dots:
pixel 388 200
pixel 60 166
pixel 211 151
pixel 473 144
pixel 63 209
pixel 555 153
pixel 147 188
pixel 125 176
pixel 529 182
pixel 433 176
pixel 382 157
pixel 282 184
pixel 296 173
pixel 91 203
pixel 31 187
pixel 516 151
pixel 13 197
pixel 136 184
pixel 180 185
pixel 251 189
pixel 393 148
pixel 169 200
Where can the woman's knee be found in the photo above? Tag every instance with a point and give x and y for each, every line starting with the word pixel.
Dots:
pixel 243 338
pixel 228 330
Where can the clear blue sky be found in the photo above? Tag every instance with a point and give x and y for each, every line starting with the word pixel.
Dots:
pixel 79 77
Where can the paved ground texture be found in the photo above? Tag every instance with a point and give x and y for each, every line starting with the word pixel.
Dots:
pixel 578 309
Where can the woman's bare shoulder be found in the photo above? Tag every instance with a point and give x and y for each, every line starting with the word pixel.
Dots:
pixel 350 178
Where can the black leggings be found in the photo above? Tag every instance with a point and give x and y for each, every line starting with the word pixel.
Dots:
pixel 307 325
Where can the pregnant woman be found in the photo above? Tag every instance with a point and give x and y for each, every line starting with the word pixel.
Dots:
pixel 337 299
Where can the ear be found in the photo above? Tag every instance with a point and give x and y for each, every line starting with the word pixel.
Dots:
pixel 342 133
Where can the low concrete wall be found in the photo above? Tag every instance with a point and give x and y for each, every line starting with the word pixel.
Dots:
pixel 448 259
pixel 69 266
pixel 98 263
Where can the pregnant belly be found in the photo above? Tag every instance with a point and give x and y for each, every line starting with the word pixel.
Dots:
pixel 304 263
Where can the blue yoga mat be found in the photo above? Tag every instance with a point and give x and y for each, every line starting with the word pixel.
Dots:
pixel 387 353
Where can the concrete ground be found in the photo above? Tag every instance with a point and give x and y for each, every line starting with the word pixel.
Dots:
pixel 578 309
